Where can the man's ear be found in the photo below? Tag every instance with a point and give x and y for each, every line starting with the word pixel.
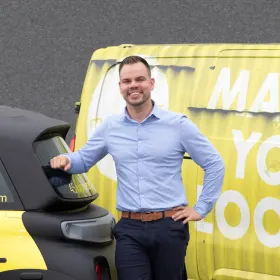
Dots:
pixel 153 83
pixel 120 88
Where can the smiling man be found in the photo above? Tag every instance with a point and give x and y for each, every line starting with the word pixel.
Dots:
pixel 148 145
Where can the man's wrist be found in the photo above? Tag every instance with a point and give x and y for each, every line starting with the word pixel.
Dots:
pixel 200 211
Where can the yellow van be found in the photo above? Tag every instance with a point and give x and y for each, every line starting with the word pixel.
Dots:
pixel 231 92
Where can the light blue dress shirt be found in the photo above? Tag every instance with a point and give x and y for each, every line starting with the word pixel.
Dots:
pixel 148 158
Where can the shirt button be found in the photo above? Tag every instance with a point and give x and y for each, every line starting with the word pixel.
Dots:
pixel 140 141
pixel 141 178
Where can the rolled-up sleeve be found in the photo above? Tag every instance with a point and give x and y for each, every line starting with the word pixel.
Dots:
pixel 206 156
pixel 93 151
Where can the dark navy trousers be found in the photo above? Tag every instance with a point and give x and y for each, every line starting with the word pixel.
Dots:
pixel 151 250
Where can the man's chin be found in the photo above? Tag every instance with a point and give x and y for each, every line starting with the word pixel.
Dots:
pixel 136 103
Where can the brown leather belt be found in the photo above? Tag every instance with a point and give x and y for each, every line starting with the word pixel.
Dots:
pixel 150 216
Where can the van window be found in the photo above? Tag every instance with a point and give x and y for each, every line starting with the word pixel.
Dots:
pixel 8 197
pixel 67 186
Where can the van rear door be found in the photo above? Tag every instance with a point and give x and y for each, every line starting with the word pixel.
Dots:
pixel 240 113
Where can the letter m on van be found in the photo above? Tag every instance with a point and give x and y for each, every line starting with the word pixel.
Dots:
pixel 222 90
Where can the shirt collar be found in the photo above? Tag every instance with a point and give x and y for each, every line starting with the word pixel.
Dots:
pixel 155 112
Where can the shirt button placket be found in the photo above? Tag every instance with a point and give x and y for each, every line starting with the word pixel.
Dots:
pixel 141 169
pixel 139 164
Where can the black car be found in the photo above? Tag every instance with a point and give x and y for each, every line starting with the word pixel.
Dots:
pixel 49 226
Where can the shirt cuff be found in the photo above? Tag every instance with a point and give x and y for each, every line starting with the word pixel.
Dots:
pixel 202 208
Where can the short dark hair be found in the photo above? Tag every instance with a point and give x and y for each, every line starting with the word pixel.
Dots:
pixel 134 59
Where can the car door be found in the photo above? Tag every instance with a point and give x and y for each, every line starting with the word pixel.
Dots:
pixel 8 201
pixel 15 242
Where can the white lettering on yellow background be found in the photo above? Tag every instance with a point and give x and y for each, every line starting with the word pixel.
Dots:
pixel 244 147
pixel 222 90
pixel 239 90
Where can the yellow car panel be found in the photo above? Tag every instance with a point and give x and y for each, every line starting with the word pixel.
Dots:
pixel 17 246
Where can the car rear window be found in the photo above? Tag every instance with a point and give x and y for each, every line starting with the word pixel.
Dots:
pixel 79 185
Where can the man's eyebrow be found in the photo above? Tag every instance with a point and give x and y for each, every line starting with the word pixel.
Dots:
pixel 128 79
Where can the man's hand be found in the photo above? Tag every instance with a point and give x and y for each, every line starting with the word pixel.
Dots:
pixel 186 213
pixel 60 162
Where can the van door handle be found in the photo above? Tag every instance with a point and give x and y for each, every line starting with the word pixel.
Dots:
pixel 3 260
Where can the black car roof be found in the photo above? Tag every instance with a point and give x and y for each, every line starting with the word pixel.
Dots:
pixel 19 129
pixel 26 126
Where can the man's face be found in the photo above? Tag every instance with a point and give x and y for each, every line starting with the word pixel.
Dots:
pixel 136 84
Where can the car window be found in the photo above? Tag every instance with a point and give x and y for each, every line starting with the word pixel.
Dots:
pixel 8 197
pixel 66 185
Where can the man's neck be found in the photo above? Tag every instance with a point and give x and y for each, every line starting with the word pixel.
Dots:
pixel 140 113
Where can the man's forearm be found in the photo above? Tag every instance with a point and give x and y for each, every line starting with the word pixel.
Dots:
pixel 212 187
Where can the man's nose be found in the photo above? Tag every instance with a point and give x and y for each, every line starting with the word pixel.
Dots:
pixel 134 84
